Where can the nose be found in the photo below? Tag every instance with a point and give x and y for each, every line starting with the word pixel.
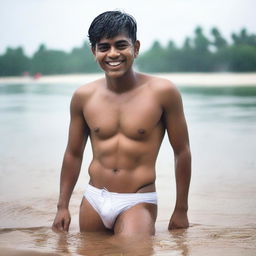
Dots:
pixel 113 53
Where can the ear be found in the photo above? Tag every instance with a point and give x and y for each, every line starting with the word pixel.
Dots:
pixel 93 50
pixel 136 48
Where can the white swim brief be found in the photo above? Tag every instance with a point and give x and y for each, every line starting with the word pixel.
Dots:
pixel 110 204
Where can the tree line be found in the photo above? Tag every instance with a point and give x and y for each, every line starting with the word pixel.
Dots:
pixel 197 54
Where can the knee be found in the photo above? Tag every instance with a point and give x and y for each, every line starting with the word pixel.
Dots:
pixel 135 234
pixel 135 229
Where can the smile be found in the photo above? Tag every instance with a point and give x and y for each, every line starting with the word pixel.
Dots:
pixel 114 63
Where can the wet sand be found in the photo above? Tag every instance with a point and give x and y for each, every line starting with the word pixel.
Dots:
pixel 188 79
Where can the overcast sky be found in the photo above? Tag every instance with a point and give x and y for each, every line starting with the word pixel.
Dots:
pixel 63 24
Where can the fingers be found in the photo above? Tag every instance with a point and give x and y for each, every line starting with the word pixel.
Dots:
pixel 60 226
pixel 62 221
pixel 66 224
pixel 181 225
pixel 57 227
pixel 172 226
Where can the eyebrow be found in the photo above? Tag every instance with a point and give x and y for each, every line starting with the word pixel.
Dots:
pixel 122 41
pixel 117 42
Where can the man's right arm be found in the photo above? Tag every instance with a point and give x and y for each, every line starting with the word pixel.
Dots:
pixel 78 134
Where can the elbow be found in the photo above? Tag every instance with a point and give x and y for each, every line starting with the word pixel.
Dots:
pixel 72 155
pixel 184 150
pixel 184 153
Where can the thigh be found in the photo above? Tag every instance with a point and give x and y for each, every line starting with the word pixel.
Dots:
pixel 137 220
pixel 89 219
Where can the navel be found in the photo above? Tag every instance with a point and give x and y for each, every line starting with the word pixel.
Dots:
pixel 115 170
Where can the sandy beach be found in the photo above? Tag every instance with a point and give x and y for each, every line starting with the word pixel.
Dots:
pixel 187 79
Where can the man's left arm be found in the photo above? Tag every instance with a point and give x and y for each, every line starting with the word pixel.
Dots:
pixel 177 131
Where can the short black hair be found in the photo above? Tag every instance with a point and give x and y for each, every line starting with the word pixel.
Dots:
pixel 111 23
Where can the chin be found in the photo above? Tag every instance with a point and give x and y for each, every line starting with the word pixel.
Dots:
pixel 115 74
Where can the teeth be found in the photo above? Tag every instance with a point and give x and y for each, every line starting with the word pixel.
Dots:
pixel 114 63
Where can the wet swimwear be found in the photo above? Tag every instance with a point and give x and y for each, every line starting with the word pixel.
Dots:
pixel 110 204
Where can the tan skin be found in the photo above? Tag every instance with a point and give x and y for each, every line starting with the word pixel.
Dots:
pixel 125 115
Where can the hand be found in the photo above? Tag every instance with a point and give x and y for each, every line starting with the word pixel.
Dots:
pixel 61 221
pixel 179 219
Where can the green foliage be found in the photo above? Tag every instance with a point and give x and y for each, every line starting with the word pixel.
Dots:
pixel 81 60
pixel 218 41
pixel 157 56
pixel 244 39
pixel 201 43
pixel 200 54
pixel 48 62
pixel 14 62
pixel 197 54
pixel 242 58
pixel 193 56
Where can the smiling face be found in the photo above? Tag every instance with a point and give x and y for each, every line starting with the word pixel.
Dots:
pixel 116 55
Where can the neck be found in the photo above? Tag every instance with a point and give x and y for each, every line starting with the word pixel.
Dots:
pixel 122 84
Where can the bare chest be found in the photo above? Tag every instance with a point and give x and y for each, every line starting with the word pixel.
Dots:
pixel 135 116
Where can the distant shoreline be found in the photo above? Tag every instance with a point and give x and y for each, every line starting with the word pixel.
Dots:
pixel 180 79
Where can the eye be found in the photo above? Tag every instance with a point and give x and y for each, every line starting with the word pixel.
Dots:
pixel 103 47
pixel 122 46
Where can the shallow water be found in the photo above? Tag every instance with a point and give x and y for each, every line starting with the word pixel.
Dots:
pixel 197 240
pixel 222 125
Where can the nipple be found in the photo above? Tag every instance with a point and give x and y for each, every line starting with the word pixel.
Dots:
pixel 141 131
pixel 97 129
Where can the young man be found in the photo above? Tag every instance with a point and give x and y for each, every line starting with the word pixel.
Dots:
pixel 125 114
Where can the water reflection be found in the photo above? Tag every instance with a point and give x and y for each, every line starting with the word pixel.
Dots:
pixel 225 104
pixel 13 89
pixel 37 88
pixel 243 91
pixel 96 244
pixel 194 241
pixel 201 103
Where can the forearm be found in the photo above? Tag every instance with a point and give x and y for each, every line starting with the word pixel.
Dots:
pixel 69 174
pixel 183 175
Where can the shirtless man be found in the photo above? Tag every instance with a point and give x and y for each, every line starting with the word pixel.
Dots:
pixel 125 114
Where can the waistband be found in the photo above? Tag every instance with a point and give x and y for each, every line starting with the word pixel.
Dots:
pixel 104 191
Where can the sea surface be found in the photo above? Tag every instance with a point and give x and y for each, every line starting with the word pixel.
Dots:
pixel 34 121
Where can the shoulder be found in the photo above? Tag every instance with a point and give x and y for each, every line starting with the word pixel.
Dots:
pixel 88 89
pixel 84 92
pixel 164 89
